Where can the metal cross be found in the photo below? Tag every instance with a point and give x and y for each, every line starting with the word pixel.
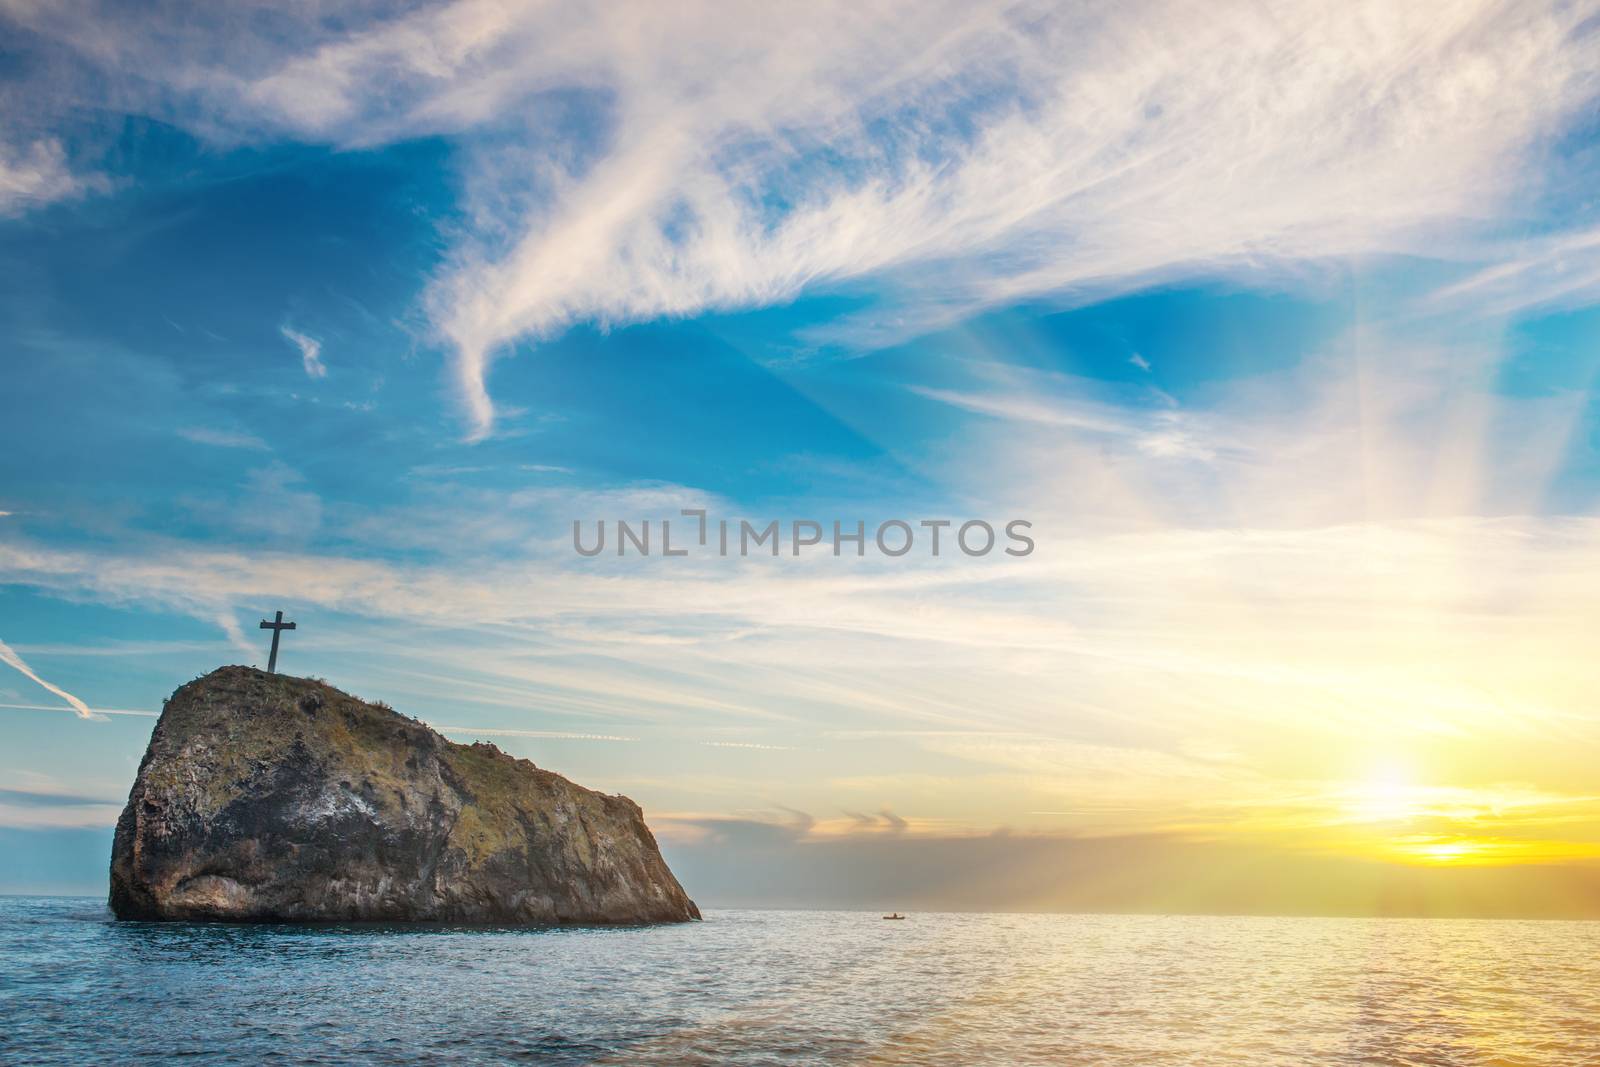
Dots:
pixel 277 626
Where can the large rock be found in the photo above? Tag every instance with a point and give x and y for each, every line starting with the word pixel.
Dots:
pixel 268 798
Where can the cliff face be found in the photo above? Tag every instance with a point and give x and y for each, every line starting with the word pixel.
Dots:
pixel 269 798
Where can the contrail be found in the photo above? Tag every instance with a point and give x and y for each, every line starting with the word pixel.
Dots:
pixel 8 656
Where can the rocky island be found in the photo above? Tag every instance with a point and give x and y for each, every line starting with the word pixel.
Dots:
pixel 266 798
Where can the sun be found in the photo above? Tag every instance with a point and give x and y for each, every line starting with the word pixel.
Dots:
pixel 1390 794
pixel 1401 816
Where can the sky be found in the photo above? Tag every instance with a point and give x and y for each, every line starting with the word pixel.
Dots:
pixel 1279 323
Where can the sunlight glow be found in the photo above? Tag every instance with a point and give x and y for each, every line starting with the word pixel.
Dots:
pixel 1390 795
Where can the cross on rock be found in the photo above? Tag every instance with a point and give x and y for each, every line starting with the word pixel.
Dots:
pixel 277 626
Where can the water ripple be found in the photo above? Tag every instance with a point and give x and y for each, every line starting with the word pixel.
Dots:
pixel 804 987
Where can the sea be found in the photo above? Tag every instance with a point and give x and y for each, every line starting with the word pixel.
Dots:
pixel 801 987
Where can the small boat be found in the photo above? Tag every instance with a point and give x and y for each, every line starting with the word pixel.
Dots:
pixel 896 915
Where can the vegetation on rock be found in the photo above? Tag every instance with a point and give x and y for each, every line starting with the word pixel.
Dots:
pixel 269 798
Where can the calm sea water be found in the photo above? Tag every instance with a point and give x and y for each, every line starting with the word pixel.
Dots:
pixel 803 987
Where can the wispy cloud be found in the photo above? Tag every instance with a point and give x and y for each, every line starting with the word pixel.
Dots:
pixel 202 435
pixel 39 174
pixel 30 800
pixel 947 156
pixel 1558 269
pixel 1113 159
pixel 555 735
pixel 96 711
pixel 310 352
pixel 49 816
pixel 1190 640
pixel 236 637
pixel 1164 433
pixel 1232 594
pixel 11 659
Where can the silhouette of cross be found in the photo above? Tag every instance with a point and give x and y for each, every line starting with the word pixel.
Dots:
pixel 277 626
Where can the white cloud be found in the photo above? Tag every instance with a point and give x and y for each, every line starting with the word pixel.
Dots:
pixel 11 659
pixel 1121 157
pixel 31 800
pixel 236 637
pixel 47 816
pixel 1316 575
pixel 1558 269
pixel 310 352
pixel 96 711
pixel 39 174
pixel 960 155
pixel 1316 542
pixel 1119 650
pixel 1160 433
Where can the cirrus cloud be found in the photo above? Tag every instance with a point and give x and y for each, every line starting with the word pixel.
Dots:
pixel 629 161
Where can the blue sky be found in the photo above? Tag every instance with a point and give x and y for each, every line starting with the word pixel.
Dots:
pixel 1282 329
